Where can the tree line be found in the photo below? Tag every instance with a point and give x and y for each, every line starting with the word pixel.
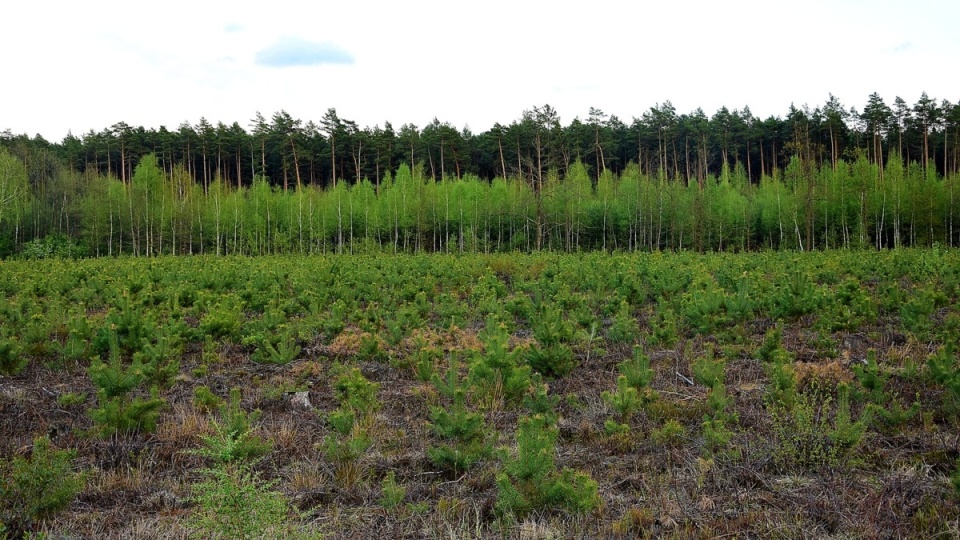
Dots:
pixel 826 177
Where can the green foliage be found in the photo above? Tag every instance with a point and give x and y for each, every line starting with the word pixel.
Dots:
pixel 12 362
pixel 124 415
pixel 391 493
pixel 284 351
pixel 356 393
pixel 499 371
pixel 707 369
pixel 53 246
pixel 426 358
pixel 539 401
pixel 944 369
pixel 771 350
pixel 462 433
pixel 624 328
pixel 36 489
pixel 782 389
pixel 637 370
pixel 552 355
pixel 350 422
pixel 885 409
pixel 798 296
pixel 671 434
pixel 223 320
pixel 115 379
pixel 118 411
pixel 814 433
pixel 955 479
pixel 205 399
pixel 530 480
pixel 664 327
pixel 851 307
pixel 625 401
pixel 716 431
pixel 234 502
pixel 70 399
pixel 916 312
pixel 233 438
pixel 159 361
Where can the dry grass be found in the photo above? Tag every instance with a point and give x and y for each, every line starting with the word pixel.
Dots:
pixel 139 485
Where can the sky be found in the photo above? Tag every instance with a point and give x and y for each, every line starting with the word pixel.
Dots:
pixel 73 66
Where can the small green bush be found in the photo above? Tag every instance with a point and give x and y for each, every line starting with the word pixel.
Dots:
pixel 391 493
pixel 814 433
pixel 233 439
pixel 233 502
pixel 530 480
pixel 12 362
pixel 35 489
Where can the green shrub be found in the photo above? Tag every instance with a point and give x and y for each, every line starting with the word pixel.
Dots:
pixel 118 411
pixel 233 502
pixel 205 399
pixel 798 296
pixel 391 493
pixel 530 480
pixel 233 439
pixel 886 410
pixel 625 401
pixel 552 355
pixel 35 489
pixel 624 328
pixel 499 371
pixel 814 433
pixel 944 369
pixel 12 362
pixel 462 433
pixel 707 369
pixel 672 434
pixel 281 352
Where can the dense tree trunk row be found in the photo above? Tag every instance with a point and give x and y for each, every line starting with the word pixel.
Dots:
pixel 158 210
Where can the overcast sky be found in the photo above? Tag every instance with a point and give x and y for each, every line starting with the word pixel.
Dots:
pixel 79 66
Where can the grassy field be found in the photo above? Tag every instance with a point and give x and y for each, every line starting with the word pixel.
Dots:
pixel 523 396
